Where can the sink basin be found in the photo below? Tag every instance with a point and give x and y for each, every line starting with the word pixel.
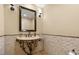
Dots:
pixel 28 38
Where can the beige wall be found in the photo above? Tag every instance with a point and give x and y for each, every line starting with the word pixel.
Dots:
pixel 1 20
pixel 12 19
pixel 2 29
pixel 61 20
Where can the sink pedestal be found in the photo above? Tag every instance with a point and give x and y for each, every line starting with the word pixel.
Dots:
pixel 31 44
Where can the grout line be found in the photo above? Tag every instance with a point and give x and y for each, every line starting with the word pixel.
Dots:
pixel 41 34
pixel 61 35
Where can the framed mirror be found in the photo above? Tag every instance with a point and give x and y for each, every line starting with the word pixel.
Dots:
pixel 27 19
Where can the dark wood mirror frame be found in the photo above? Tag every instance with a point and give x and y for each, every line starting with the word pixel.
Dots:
pixel 20 19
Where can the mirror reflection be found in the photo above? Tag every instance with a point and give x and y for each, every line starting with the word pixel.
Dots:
pixel 27 19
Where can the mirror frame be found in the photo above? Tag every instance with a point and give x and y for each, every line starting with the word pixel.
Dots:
pixel 20 19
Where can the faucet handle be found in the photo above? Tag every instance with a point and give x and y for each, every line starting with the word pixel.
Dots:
pixel 34 33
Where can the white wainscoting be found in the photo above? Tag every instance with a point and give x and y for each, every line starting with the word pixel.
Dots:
pixel 10 42
pixel 2 46
pixel 10 45
pixel 57 45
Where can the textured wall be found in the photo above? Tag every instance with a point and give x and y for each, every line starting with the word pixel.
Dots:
pixel 11 47
pixel 2 46
pixel 57 45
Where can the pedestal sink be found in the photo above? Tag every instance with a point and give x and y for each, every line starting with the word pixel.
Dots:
pixel 28 38
pixel 31 43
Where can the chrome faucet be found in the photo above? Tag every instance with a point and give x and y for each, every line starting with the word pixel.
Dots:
pixel 29 33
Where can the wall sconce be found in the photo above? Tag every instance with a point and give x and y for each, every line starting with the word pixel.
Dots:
pixel 12 8
pixel 40 14
pixel 40 7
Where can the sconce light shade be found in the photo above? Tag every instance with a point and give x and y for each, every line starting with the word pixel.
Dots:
pixel 40 14
pixel 12 7
pixel 40 7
